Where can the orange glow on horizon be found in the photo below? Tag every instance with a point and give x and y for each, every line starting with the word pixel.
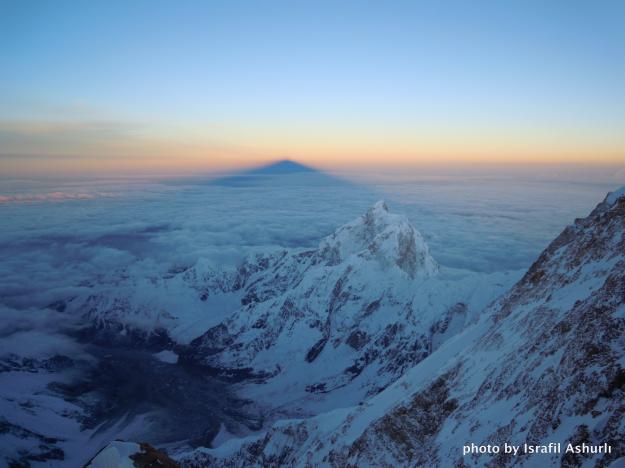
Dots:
pixel 88 148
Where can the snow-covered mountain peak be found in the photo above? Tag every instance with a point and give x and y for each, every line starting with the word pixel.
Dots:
pixel 614 196
pixel 379 207
pixel 383 236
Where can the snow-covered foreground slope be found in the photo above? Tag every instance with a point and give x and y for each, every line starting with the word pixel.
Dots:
pixel 544 364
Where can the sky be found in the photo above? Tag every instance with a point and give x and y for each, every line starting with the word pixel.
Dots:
pixel 155 86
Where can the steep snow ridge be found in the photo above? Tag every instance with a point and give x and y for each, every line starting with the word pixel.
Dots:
pixel 544 364
pixel 116 455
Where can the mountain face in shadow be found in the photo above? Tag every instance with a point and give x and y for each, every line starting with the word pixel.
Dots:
pixel 284 172
pixel 285 166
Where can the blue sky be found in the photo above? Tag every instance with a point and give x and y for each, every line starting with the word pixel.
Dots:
pixel 237 80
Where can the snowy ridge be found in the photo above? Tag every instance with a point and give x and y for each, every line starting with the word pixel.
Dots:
pixel 116 455
pixel 121 454
pixel 614 196
pixel 544 364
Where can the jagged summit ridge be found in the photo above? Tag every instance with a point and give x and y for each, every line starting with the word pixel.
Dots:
pixel 383 236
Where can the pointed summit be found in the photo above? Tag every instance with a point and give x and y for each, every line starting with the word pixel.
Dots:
pixel 284 172
pixel 379 206
pixel 379 235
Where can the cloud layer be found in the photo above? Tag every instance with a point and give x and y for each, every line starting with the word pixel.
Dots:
pixel 98 228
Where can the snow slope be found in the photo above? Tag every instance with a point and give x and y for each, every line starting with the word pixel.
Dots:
pixel 120 454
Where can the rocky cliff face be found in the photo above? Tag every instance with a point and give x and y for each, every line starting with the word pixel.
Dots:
pixel 544 363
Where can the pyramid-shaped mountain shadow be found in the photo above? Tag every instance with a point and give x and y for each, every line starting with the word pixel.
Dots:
pixel 284 172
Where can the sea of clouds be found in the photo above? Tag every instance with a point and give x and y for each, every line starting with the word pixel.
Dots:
pixel 56 235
